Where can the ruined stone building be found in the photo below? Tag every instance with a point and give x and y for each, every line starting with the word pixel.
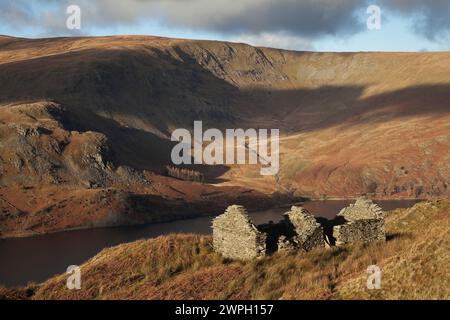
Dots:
pixel 236 237
pixel 363 222
pixel 298 231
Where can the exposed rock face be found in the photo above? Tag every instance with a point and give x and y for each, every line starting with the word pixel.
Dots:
pixel 117 108
pixel 308 233
pixel 63 165
pixel 364 222
pixel 236 237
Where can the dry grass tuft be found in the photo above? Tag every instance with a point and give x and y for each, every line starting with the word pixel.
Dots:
pixel 414 263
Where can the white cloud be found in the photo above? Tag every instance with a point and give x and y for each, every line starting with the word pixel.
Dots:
pixel 306 18
pixel 264 22
pixel 280 40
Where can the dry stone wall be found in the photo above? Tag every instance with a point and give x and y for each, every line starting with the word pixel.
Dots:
pixel 362 231
pixel 308 233
pixel 236 237
pixel 284 244
pixel 364 222
pixel 362 209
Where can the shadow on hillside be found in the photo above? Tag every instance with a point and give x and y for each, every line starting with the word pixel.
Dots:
pixel 304 110
pixel 133 147
pixel 149 87
pixel 162 91
pixel 168 90
pixel 399 235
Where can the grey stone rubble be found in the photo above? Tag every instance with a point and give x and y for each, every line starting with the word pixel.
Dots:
pixel 306 232
pixel 236 237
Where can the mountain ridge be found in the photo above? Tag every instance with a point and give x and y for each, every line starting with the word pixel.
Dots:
pixel 88 114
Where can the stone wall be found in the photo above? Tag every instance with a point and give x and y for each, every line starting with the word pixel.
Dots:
pixel 363 222
pixel 362 209
pixel 307 232
pixel 236 237
pixel 362 231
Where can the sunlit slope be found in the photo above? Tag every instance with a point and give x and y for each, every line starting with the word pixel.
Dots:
pixel 97 113
pixel 413 262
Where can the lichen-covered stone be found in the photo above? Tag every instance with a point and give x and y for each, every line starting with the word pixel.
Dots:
pixel 360 231
pixel 362 209
pixel 236 237
pixel 364 223
pixel 308 233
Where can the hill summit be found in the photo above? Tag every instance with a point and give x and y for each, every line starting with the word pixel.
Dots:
pixel 85 126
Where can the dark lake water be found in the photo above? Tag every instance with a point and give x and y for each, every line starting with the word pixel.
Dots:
pixel 35 259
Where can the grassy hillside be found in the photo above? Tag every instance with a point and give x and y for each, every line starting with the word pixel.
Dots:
pixel 92 117
pixel 414 263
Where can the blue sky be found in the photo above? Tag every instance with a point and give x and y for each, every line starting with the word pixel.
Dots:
pixel 321 25
pixel 396 34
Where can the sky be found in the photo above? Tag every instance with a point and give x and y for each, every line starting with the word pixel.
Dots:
pixel 315 25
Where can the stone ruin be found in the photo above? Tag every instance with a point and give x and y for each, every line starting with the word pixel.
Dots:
pixel 363 222
pixel 236 237
pixel 298 231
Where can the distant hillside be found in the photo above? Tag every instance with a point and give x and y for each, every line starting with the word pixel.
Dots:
pixel 413 261
pixel 80 117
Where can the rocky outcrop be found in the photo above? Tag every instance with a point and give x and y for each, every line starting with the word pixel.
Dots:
pixel 117 108
pixel 363 223
pixel 236 237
